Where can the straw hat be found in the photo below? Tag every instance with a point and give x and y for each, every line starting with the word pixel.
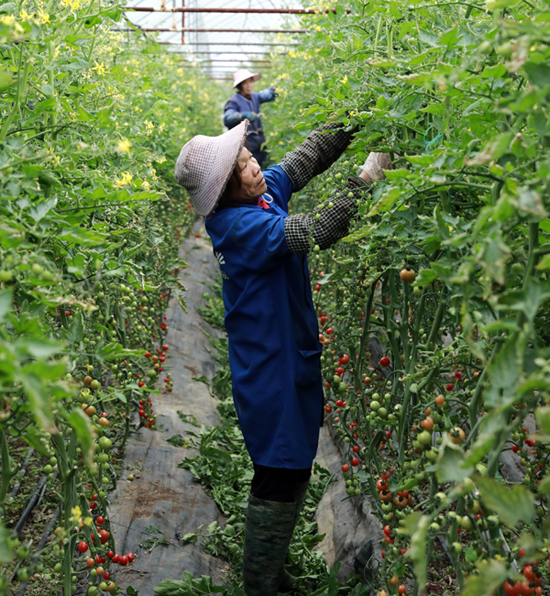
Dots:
pixel 243 74
pixel 205 165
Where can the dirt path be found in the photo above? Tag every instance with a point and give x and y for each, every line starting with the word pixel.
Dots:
pixel 162 494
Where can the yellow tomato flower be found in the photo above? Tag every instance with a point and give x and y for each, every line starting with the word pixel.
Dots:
pixel 124 145
pixel 126 179
pixel 99 68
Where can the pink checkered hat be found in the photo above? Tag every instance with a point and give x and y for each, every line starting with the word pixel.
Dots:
pixel 205 165
pixel 243 74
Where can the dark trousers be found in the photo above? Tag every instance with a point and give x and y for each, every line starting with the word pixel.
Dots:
pixel 277 484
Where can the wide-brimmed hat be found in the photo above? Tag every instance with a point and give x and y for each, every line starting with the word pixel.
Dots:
pixel 243 74
pixel 205 165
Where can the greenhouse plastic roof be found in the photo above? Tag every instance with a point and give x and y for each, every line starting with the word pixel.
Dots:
pixel 221 52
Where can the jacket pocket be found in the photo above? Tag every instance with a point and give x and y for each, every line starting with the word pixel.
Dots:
pixel 308 367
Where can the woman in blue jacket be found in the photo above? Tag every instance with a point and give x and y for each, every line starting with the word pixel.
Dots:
pixel 245 104
pixel 274 348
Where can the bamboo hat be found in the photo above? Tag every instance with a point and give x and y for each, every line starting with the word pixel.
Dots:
pixel 205 165
pixel 243 74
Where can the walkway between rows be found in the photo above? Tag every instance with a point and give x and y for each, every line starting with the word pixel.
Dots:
pixel 162 494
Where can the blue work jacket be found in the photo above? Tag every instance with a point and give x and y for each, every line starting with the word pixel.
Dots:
pixel 274 348
pixel 237 104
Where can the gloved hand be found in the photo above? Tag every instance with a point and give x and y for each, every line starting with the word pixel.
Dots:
pixel 376 164
pixel 250 116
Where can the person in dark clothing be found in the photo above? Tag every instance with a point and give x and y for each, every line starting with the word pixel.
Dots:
pixel 245 104
pixel 272 328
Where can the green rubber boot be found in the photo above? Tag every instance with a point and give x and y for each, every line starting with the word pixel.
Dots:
pixel 287 579
pixel 267 533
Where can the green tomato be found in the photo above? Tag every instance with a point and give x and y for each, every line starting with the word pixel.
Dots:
pixel 105 442
pixel 425 437
pixel 374 405
pixel 432 455
pixel 382 412
pixel 466 523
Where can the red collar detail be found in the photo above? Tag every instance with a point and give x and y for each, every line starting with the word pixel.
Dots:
pixel 262 203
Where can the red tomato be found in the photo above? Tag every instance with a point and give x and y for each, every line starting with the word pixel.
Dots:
pixel 344 359
pixel 124 560
pixel 355 449
pixel 381 485
pixel 328 408
pixel 450 387
pixel 355 462
pixel 82 547
pixel 528 573
pixel 512 589
pixel 387 530
pixel 345 468
pixel 384 361
pixel 90 562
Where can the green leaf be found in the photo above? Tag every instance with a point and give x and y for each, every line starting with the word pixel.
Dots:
pixel 491 424
pixel 5 79
pixel 449 463
pixel 450 37
pixel 83 115
pixel 512 505
pixel 5 548
pixel 504 373
pixel 83 236
pixel 491 575
pixel 416 526
pixel 539 74
pixel 6 301
pixel 542 416
pixel 75 333
pixel 172 587
pixel 544 485
pixel 425 277
pixel 83 428
pixel 45 105
pixel 386 201
pixel 544 263
pixel 38 395
pixel 492 150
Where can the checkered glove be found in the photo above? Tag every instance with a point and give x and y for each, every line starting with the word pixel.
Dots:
pixel 376 164
pixel 302 231
pixel 316 154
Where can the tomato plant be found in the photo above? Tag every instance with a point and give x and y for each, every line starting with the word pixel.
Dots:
pixel 439 293
pixel 90 224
